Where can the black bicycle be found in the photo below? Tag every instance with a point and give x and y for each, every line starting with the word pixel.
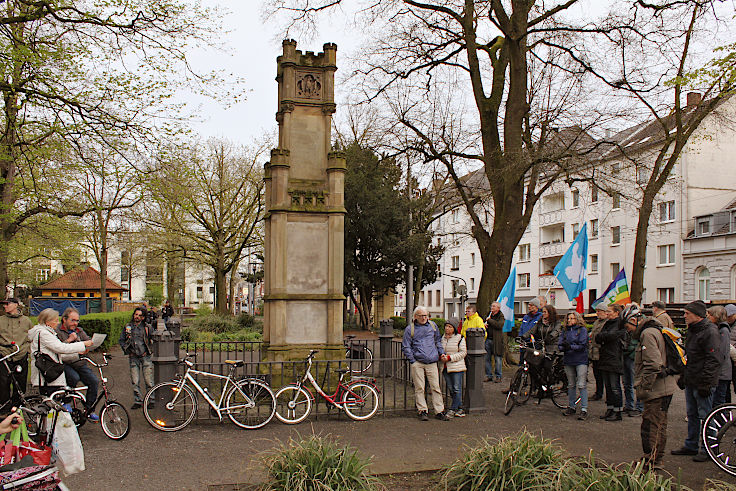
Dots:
pixel 719 436
pixel 114 418
pixel 26 402
pixel 359 354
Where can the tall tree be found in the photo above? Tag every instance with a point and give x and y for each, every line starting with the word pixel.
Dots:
pixel 213 195
pixel 74 69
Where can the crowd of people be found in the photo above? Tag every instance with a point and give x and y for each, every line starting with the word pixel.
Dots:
pixel 626 351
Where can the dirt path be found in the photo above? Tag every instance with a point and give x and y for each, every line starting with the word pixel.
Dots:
pixel 208 453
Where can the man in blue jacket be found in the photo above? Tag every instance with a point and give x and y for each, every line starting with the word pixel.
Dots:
pixel 533 315
pixel 422 346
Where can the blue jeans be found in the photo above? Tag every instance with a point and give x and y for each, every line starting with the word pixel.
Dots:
pixel 613 390
pixel 722 394
pixel 492 359
pixel 577 380
pixel 697 410
pixel 141 370
pixel 454 381
pixel 83 373
pixel 631 401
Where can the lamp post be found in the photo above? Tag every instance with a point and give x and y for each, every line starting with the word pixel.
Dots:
pixel 462 290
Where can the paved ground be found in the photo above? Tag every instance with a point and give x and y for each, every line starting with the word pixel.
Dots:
pixel 208 453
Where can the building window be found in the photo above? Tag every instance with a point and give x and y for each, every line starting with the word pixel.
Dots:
pixel 666 255
pixel 615 268
pixel 594 194
pixel 455 263
pixel 472 258
pixel 615 235
pixel 594 228
pixel 212 290
pixel 199 292
pixel 472 284
pixel 421 300
pixel 524 252
pixel 615 168
pixel 523 280
pixel 575 230
pixel 733 221
pixel 575 198
pixel 616 201
pixel 666 295
pixel 594 263
pixel 703 226
pixel 704 284
pixel 642 175
pixel 438 298
pixel 453 285
pixel 42 275
pixel 80 295
pixel 667 212
pixel 455 216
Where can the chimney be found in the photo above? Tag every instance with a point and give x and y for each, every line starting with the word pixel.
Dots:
pixel 693 98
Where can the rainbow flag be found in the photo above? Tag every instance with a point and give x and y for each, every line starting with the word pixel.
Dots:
pixel 617 292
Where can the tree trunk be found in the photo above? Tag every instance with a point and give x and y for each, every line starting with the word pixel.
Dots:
pixel 418 274
pixel 4 280
pixel 231 288
pixel 365 296
pixel 171 269
pixel 103 277
pixel 220 291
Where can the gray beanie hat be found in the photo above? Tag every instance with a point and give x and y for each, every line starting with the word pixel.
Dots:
pixel 454 322
pixel 730 309
pixel 697 307
pixel 535 301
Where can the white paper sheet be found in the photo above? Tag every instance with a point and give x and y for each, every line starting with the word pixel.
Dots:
pixel 97 340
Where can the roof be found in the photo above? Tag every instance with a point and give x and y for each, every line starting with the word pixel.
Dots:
pixel 80 280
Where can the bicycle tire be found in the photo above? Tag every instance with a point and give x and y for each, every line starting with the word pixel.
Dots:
pixel 719 436
pixel 293 404
pixel 525 390
pixel 360 401
pixel 514 387
pixel 79 408
pixel 115 421
pixel 161 415
pixel 262 396
pixel 364 361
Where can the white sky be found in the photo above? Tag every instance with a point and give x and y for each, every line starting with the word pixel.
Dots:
pixel 253 47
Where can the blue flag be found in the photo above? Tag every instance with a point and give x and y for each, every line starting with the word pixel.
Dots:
pixel 570 271
pixel 506 299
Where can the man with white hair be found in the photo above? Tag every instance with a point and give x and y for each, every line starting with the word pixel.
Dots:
pixel 422 346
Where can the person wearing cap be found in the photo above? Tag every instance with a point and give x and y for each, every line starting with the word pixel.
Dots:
pixel 659 312
pixel 653 385
pixel 14 327
pixel 494 323
pixel 452 365
pixel 717 315
pixel 594 350
pixel 700 377
pixel 532 317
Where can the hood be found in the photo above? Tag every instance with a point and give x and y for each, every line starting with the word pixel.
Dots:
pixel 14 316
pixel 35 330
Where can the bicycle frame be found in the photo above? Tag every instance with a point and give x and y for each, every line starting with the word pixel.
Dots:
pixel 333 399
pixel 217 406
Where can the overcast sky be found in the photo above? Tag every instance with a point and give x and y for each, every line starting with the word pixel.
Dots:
pixel 254 46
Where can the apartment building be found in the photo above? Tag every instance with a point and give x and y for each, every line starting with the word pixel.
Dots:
pixel 682 232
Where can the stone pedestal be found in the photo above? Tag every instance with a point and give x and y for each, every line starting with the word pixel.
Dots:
pixel 304 238
pixel 475 359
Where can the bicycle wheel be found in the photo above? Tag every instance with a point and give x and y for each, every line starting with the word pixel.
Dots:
pixel 513 392
pixel 33 414
pixel 719 435
pixel 293 404
pixel 115 421
pixel 250 404
pixel 360 401
pixel 525 389
pixel 363 357
pixel 166 414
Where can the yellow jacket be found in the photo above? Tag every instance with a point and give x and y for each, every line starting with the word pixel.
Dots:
pixel 474 321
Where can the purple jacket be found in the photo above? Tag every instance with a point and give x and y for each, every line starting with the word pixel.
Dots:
pixel 573 343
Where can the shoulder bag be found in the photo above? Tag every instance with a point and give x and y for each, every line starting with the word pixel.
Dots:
pixel 49 368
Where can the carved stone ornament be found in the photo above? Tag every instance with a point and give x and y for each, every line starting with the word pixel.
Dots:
pixel 309 85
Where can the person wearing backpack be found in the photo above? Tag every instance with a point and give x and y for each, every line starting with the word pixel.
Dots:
pixel 422 346
pixel 717 315
pixel 653 383
pixel 702 345
pixel 452 365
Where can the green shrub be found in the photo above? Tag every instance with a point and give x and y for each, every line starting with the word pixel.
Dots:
pixel 317 463
pixel 215 323
pixel 399 322
pixel 202 310
pixel 188 333
pixel 590 474
pixel 110 323
pixel 245 320
pixel 440 323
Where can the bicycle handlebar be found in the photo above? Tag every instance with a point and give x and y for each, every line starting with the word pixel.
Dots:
pixel 17 350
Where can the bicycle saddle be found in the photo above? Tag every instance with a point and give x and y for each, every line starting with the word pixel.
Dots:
pixel 350 336
pixel 235 363
pixel 342 370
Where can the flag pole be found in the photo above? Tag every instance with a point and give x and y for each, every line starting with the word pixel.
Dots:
pixel 550 286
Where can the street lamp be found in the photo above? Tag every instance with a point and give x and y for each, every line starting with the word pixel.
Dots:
pixel 461 290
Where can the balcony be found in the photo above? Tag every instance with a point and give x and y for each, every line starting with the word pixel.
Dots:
pixel 551 217
pixel 548 281
pixel 552 249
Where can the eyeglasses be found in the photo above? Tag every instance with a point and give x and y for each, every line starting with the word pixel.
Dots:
pixel 422 315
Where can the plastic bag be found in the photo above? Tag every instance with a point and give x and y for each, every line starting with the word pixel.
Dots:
pixel 67 446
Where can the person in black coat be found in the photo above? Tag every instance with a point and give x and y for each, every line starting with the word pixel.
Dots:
pixel 611 362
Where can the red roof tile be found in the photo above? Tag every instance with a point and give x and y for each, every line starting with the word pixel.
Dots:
pixel 80 279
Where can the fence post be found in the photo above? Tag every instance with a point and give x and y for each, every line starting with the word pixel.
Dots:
pixel 165 355
pixel 384 339
pixel 474 400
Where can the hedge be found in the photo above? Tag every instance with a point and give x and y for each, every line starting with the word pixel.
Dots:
pixel 110 323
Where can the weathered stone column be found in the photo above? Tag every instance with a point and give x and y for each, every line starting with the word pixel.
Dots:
pixel 304 224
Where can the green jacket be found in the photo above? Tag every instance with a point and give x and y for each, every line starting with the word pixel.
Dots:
pixel 14 328
pixel 650 361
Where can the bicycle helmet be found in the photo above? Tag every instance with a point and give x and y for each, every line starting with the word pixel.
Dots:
pixel 631 311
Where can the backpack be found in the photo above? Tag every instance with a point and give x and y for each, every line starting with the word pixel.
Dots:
pixel 676 356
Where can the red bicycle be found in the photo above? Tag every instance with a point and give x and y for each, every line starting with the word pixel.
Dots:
pixel 358 398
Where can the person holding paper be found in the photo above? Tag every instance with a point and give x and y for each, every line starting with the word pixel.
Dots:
pixel 76 369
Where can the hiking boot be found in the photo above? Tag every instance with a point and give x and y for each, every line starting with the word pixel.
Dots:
pixel 684 451
pixel 93 417
pixel 616 416
pixel 569 411
pixel 460 413
pixel 609 413
pixel 450 413
pixel 701 457
pixel 441 416
pixel 633 413
pixel 488 379
pixel 423 416
pixel 583 415
pixel 67 407
pixel 498 380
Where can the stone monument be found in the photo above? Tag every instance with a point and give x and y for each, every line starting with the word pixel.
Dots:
pixel 304 224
